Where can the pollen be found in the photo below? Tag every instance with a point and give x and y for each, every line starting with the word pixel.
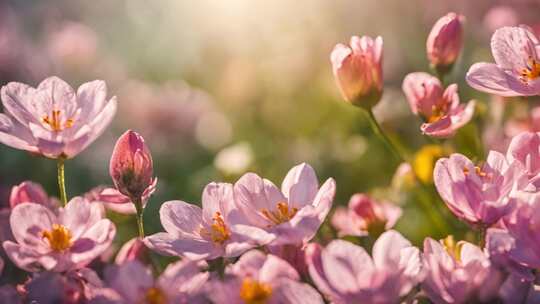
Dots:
pixel 453 248
pixel 59 237
pixel 478 171
pixel 283 213
pixel 54 121
pixel 437 112
pixel 531 71
pixel 154 295
pixel 218 231
pixel 253 292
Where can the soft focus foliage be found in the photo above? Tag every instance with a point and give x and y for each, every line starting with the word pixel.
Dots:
pixel 266 153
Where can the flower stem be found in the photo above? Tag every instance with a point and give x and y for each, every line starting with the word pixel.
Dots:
pixel 380 133
pixel 482 237
pixel 140 224
pixel 61 181
pixel 434 214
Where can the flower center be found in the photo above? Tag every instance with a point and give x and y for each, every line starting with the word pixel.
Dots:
pixel 453 248
pixel 281 215
pixel 253 292
pixel 218 231
pixel 481 173
pixel 437 112
pixel 55 122
pixel 154 295
pixel 531 71
pixel 59 237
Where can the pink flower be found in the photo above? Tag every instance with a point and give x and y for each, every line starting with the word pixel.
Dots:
pixel 260 278
pixel 440 109
pixel 75 286
pixel 346 273
pixel 133 249
pixel 291 215
pixel 131 166
pixel 445 41
pixel 525 150
pixel 30 192
pixel 523 225
pixel 132 282
pixel 358 70
pixel 458 273
pixel 365 216
pixel 479 195
pixel 53 120
pixel 205 233
pixel 62 242
pixel 516 68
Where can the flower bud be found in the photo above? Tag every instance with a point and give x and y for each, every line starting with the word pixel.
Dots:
pixel 131 165
pixel 358 70
pixel 445 41
pixel 28 192
pixel 133 249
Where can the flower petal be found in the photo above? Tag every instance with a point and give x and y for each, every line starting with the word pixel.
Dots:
pixel 489 78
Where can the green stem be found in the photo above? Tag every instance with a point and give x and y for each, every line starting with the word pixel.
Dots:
pixel 140 223
pixel 61 181
pixel 437 217
pixel 380 133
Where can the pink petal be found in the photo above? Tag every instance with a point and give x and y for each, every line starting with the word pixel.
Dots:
pixel 300 185
pixel 191 248
pixel 217 197
pixel 180 218
pixel 512 47
pixel 387 249
pixel 344 263
pixel 92 97
pixel 294 292
pixel 24 257
pixel 28 221
pixel 275 268
pixel 60 96
pixel 489 78
pixel 93 242
pixel 79 215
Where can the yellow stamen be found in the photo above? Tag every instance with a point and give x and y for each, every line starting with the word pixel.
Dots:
pixel 453 248
pixel 532 71
pixel 253 292
pixel 55 123
pixel 479 172
pixel 154 295
pixel 218 231
pixel 59 237
pixel 437 112
pixel 281 215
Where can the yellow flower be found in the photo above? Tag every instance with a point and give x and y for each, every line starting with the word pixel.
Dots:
pixel 424 161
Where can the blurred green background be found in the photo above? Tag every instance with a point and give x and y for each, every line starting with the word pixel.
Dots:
pixel 219 88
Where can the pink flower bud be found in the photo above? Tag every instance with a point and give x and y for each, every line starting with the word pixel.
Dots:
pixel 445 41
pixel 131 165
pixel 358 70
pixel 133 249
pixel 28 192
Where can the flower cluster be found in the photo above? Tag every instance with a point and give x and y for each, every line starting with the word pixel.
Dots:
pixel 252 241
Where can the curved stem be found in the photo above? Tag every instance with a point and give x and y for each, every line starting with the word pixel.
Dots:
pixel 380 133
pixel 434 214
pixel 140 223
pixel 61 181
